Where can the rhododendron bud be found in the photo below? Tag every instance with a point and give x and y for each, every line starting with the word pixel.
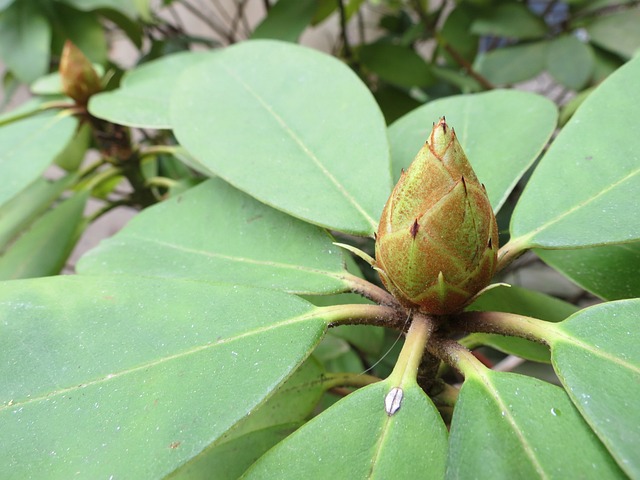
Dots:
pixel 79 78
pixel 437 241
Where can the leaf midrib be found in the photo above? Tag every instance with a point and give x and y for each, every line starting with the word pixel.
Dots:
pixel 233 258
pixel 530 236
pixel 313 314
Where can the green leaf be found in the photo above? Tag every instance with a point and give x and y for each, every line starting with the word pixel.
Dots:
pixel 509 65
pixel 502 132
pixel 609 271
pixel 456 32
pixel 355 438
pixel 24 208
pixel 511 426
pixel 132 377
pixel 590 176
pixel 570 62
pixel 396 64
pixel 73 154
pixel 25 37
pixel 282 413
pixel 28 147
pixel 44 248
pixel 217 233
pixel 127 7
pixel 512 20
pixel 143 99
pixel 286 20
pixel 522 302
pixel 292 127
pixel 618 32
pixel 83 29
pixel 596 356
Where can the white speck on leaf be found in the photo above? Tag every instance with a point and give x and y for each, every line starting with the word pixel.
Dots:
pixel 393 400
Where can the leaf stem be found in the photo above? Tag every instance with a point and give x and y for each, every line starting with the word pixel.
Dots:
pixel 332 380
pixel 510 251
pixel 371 291
pixel 503 323
pixel 455 355
pixel 406 369
pixel 360 314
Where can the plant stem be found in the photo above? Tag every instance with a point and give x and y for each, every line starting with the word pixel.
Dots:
pixel 371 291
pixel 447 397
pixel 504 323
pixel 163 182
pixel 332 380
pixel 406 369
pixel 359 314
pixel 454 354
pixel 510 251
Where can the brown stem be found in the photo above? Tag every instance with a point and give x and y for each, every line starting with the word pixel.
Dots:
pixel 502 323
pixel 371 291
pixel 460 60
pixel 358 314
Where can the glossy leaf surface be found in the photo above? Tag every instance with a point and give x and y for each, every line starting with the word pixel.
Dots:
pixel 144 96
pixel 219 234
pixel 292 127
pixel 28 147
pixel 512 426
pixel 282 413
pixel 596 356
pixel 590 177
pixel 355 438
pixel 608 271
pixel 132 377
pixel 502 132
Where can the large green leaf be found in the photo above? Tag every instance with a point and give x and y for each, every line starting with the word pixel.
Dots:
pixel 217 233
pixel 143 98
pixel 286 20
pixel 396 64
pixel 25 37
pixel 44 248
pixel 513 20
pixel 585 189
pixel 511 426
pixel 609 271
pixel 570 61
pixel 282 413
pixel 25 207
pixel 522 302
pixel 291 126
pixel 515 64
pixel 356 438
pixel 617 32
pixel 596 356
pixel 502 132
pixel 28 147
pixel 131 377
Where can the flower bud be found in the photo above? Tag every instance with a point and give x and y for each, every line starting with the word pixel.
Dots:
pixel 437 241
pixel 79 78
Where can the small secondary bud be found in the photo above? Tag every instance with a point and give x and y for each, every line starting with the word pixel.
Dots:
pixel 437 241
pixel 79 78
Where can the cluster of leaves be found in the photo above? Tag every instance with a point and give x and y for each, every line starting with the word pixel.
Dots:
pixel 197 338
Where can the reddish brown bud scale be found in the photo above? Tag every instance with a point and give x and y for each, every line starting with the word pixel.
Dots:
pixel 79 78
pixel 437 240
